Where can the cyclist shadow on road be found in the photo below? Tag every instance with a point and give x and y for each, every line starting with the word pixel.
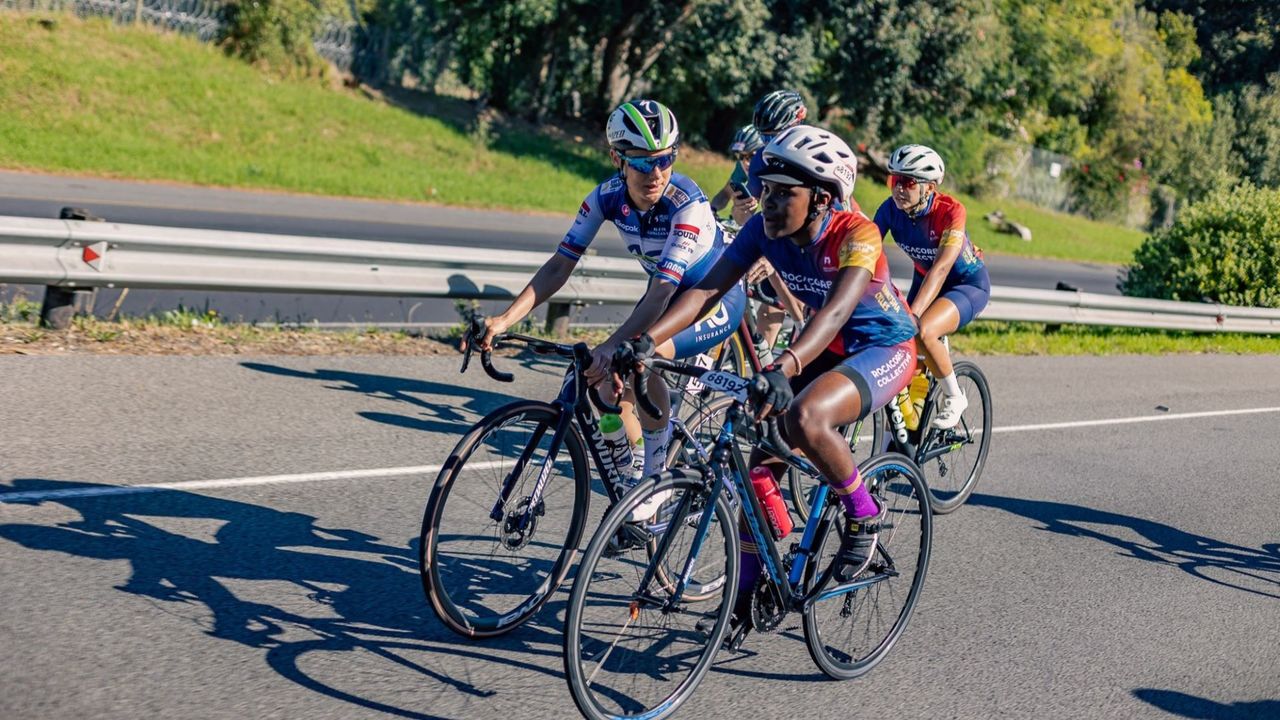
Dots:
pixel 346 592
pixel 450 408
pixel 1253 570
pixel 1190 706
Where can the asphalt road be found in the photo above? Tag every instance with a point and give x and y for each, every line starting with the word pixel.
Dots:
pixel 1102 570
pixel 32 195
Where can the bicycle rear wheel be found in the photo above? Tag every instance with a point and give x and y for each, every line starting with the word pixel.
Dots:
pixel 485 576
pixel 849 633
pixel 952 459
pixel 625 653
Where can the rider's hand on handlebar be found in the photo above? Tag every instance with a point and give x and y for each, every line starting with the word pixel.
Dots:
pixel 771 392
pixel 601 363
pixel 492 327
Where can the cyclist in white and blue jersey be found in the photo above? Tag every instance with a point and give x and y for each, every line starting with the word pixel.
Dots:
pixel 666 223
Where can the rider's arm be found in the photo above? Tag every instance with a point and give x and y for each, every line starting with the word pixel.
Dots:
pixel 647 311
pixel 552 276
pixel 721 199
pixel 697 301
pixel 555 272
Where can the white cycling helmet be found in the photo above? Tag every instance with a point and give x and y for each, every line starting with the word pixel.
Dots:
pixel 917 161
pixel 642 125
pixel 806 155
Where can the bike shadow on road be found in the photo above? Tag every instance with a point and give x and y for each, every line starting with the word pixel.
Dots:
pixel 1253 570
pixel 350 593
pixel 448 408
pixel 1198 708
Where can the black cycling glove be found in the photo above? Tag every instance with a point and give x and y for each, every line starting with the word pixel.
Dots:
pixel 772 389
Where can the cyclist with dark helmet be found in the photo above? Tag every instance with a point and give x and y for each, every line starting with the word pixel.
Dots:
pixel 856 352
pixel 746 142
pixel 666 223
pixel 950 285
pixel 775 112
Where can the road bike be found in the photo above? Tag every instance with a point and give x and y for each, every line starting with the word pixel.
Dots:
pixel 636 644
pixel 508 509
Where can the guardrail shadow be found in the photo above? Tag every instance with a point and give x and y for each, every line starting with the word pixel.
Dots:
pixel 1252 570
pixel 1197 708
pixel 366 592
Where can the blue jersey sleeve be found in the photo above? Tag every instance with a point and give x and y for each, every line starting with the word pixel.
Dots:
pixel 746 248
pixel 882 217
pixel 755 185
pixel 585 226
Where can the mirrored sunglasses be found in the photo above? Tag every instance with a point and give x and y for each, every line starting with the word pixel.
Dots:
pixel 902 181
pixel 647 164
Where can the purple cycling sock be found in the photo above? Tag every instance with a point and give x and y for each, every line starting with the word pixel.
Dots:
pixel 857 502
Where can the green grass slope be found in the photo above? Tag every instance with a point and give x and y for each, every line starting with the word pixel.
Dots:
pixel 95 98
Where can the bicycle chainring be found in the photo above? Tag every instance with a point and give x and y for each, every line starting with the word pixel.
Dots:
pixel 766 612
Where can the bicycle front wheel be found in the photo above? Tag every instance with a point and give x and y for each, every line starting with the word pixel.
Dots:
pixel 952 459
pixel 849 632
pixel 633 649
pixel 490 552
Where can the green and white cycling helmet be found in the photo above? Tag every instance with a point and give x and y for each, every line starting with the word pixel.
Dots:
pixel 806 155
pixel 918 162
pixel 642 125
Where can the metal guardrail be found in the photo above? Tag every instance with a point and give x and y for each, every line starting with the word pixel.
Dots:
pixel 72 254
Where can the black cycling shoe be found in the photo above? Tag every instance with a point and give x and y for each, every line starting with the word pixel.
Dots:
pixel 738 628
pixel 857 546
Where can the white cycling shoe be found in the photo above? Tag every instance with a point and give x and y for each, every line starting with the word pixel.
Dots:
pixel 949 415
pixel 645 511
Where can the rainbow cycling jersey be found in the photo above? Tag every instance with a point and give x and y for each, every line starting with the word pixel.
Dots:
pixel 847 239
pixel 940 225
pixel 676 241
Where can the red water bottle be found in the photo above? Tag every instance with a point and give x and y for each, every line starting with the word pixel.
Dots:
pixel 775 508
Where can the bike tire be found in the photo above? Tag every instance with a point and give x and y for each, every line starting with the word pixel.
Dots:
pixel 966 463
pixel 604 596
pixel 489 599
pixel 832 625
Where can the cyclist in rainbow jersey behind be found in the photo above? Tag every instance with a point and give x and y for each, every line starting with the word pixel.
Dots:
pixel 666 223
pixel 856 352
pixel 950 285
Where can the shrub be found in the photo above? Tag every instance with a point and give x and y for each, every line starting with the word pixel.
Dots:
pixel 277 34
pixel 1225 248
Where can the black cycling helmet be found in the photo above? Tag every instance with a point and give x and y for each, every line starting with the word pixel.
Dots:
pixel 778 111
pixel 746 140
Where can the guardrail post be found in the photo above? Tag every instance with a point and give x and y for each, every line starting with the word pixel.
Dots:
pixel 62 304
pixel 558 319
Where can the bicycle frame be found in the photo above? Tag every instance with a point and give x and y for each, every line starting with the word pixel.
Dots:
pixel 728 471
pixel 574 406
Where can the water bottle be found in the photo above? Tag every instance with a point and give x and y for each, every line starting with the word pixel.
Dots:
pixel 770 496
pixel 919 388
pixel 615 438
pixel 909 415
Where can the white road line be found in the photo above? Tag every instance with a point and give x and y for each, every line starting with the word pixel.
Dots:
pixel 38 495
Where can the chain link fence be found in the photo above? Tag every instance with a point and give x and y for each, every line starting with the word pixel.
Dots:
pixel 339 41
pixel 1040 177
